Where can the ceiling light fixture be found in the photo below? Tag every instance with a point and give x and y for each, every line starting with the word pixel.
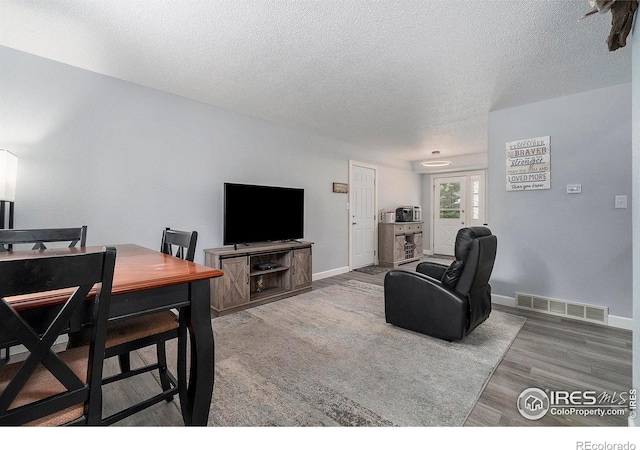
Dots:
pixel 435 163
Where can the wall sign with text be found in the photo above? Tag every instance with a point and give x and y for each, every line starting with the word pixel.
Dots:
pixel 529 164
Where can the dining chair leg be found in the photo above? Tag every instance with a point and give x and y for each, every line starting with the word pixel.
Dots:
pixel 161 352
pixel 182 358
pixel 124 360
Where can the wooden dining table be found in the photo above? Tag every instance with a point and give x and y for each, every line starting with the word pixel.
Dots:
pixel 147 281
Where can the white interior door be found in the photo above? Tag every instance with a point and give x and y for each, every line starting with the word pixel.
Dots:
pixel 449 213
pixel 363 216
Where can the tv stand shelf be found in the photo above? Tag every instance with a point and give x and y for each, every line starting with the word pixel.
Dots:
pixel 269 294
pixel 254 273
pixel 243 286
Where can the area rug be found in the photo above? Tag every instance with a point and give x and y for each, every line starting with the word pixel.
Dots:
pixel 373 270
pixel 328 358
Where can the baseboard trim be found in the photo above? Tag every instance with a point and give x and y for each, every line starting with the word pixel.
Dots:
pixel 503 300
pixel 330 273
pixel 624 323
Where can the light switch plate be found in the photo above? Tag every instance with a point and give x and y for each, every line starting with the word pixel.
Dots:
pixel 574 188
pixel 621 201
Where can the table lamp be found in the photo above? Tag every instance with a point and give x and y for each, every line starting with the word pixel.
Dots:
pixel 8 175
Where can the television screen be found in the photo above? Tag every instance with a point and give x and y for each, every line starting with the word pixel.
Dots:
pixel 262 213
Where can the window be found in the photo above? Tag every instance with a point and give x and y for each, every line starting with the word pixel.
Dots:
pixel 450 201
pixel 475 200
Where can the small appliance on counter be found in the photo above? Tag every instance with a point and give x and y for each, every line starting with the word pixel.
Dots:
pixel 417 213
pixel 409 214
pixel 404 214
pixel 387 216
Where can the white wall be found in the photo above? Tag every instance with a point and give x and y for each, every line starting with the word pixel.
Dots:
pixel 398 189
pixel 128 161
pixel 573 247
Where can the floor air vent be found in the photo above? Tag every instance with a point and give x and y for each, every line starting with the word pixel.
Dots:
pixel 578 311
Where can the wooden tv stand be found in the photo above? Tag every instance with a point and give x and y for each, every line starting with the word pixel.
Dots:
pixel 239 287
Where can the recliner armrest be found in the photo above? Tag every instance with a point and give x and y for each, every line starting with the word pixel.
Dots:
pixel 431 269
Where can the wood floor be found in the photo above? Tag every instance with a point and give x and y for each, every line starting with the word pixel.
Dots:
pixel 549 353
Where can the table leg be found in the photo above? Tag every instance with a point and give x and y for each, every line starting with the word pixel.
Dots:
pixel 197 398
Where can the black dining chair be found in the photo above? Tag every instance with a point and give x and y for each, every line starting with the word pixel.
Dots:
pixel 39 236
pixel 49 388
pixel 127 335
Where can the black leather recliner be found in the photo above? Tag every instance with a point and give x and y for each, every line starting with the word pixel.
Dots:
pixel 440 301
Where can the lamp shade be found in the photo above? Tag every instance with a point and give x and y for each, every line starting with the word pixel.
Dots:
pixel 8 175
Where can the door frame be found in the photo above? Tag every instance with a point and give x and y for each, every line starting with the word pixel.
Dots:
pixel 432 202
pixel 350 202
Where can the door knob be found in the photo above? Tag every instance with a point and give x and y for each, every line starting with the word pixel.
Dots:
pixel 353 223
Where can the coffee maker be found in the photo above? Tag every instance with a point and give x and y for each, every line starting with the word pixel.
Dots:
pixel 417 214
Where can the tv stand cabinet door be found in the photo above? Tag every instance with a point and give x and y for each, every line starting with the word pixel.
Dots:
pixel 301 276
pixel 234 284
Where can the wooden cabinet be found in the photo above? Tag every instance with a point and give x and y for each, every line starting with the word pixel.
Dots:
pixel 246 282
pixel 399 243
pixel 233 289
pixel 301 274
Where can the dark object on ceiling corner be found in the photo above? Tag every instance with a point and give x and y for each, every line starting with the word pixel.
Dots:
pixel 622 13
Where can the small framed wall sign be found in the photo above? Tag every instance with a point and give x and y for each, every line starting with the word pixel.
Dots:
pixel 341 188
pixel 529 164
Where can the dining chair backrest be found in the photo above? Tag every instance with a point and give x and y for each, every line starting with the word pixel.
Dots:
pixel 49 388
pixel 183 241
pixel 39 236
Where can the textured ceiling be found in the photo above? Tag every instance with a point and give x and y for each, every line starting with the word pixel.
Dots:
pixel 400 76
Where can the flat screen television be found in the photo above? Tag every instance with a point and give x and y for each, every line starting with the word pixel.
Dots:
pixel 262 213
